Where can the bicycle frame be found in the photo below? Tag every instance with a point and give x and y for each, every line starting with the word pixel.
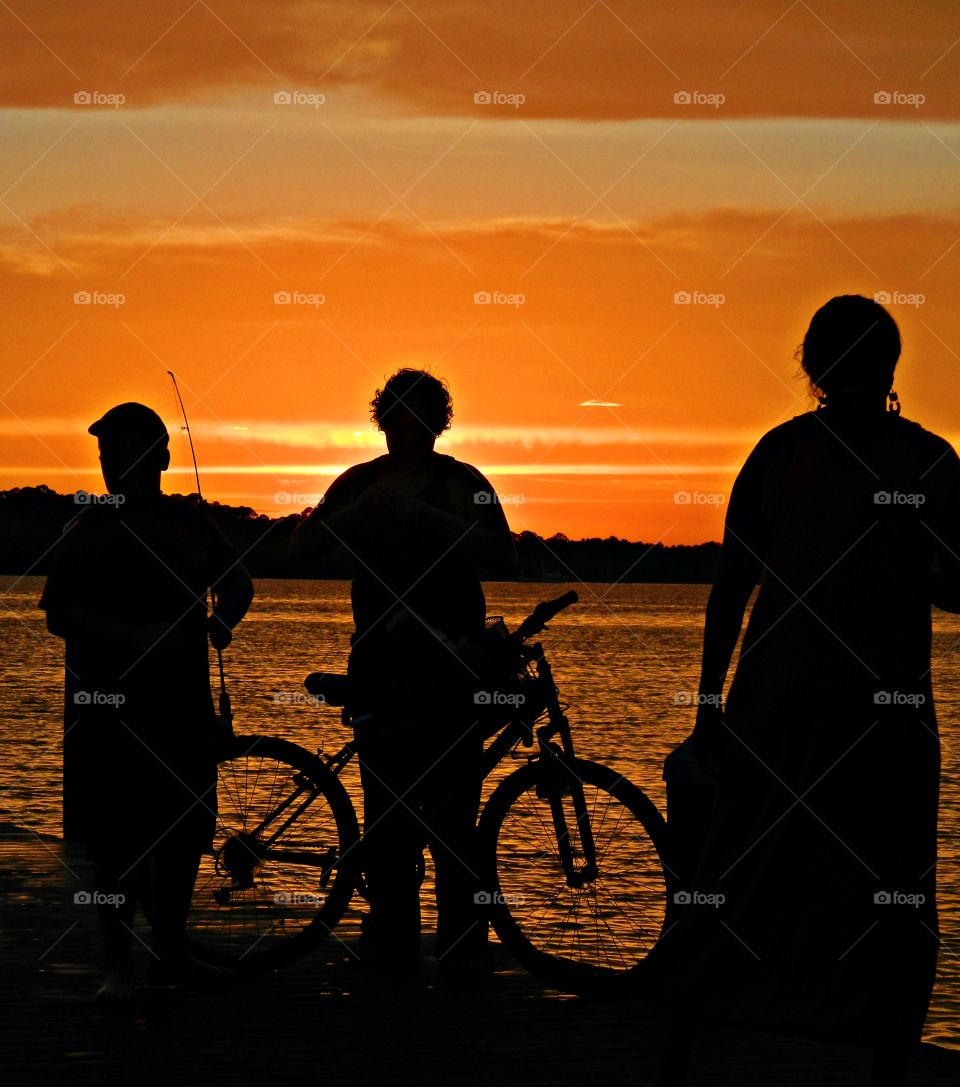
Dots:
pixel 555 755
pixel 560 779
pixel 243 853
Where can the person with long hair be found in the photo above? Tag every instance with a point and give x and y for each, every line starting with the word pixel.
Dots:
pixel 813 907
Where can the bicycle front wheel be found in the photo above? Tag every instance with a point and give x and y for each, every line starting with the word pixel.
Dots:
pixel 284 862
pixel 581 934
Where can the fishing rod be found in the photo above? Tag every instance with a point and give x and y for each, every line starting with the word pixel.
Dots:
pixel 226 712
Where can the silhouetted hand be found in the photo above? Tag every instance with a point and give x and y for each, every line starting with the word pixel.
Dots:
pixel 220 634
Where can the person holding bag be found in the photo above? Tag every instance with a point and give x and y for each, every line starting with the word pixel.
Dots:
pixel 813 905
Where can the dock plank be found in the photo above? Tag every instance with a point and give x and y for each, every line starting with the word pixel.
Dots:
pixel 325 1021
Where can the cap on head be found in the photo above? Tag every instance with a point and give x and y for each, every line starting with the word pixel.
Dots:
pixel 131 423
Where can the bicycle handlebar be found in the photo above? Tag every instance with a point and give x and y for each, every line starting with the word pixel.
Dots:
pixel 339 690
pixel 542 614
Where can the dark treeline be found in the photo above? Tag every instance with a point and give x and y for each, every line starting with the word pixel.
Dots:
pixel 32 518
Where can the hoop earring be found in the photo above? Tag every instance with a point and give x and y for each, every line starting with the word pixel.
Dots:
pixel 894 404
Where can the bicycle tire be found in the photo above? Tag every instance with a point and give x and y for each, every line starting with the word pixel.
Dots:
pixel 231 931
pixel 530 904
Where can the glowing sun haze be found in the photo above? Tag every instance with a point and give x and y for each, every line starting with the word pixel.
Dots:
pixel 605 224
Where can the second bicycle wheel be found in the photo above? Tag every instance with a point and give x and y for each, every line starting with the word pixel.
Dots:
pixel 584 938
pixel 284 862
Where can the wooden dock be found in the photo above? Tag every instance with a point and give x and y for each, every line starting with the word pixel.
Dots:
pixel 322 1021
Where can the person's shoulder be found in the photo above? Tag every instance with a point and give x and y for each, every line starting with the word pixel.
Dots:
pixel 360 473
pixel 459 469
pixel 784 434
pixel 187 517
pixel 799 424
pixel 182 508
pixel 930 448
pixel 88 519
pixel 82 520
pixel 464 475
pixel 356 477
pixel 347 487
pixel 912 431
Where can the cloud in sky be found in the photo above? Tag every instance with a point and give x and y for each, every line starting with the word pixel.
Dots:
pixel 653 199
pixel 568 58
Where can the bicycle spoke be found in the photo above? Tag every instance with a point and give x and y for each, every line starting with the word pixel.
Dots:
pixel 277 838
pixel 612 920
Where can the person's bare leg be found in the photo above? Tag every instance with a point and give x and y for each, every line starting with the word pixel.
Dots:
pixel 115 912
pixel 171 878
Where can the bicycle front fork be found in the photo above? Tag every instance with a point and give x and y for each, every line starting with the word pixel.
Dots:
pixel 577 849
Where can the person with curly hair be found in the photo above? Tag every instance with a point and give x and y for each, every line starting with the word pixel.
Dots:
pixel 420 526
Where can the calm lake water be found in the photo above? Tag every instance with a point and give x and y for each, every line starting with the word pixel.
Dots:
pixel 620 658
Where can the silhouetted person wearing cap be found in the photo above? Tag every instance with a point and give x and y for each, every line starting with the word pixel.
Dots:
pixel 817 882
pixel 127 592
pixel 419 526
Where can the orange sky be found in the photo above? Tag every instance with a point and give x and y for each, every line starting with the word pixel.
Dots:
pixel 819 154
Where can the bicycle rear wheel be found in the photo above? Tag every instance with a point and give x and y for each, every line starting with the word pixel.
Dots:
pixel 284 862
pixel 582 939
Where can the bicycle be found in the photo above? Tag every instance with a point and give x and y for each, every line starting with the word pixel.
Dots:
pixel 570 850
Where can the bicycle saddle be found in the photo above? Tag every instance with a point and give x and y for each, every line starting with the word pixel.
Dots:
pixel 334 689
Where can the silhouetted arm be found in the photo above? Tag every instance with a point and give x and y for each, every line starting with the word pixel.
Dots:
pixel 478 529
pixel 485 546
pixel 724 618
pixel 940 515
pixel 738 572
pixel 233 593
pixel 337 519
